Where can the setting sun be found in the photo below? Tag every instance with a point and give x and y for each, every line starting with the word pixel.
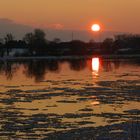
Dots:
pixel 95 27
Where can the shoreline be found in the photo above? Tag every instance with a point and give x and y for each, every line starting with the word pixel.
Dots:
pixel 73 57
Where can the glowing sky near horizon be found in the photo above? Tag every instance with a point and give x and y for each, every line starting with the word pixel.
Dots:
pixel 114 15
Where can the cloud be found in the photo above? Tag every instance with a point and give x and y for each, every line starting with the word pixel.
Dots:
pixel 56 26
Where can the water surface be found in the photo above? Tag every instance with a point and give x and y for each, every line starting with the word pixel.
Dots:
pixel 70 99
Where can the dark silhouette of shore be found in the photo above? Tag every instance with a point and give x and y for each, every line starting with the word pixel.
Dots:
pixel 36 44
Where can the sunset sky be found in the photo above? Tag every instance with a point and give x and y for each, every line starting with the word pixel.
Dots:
pixel 113 15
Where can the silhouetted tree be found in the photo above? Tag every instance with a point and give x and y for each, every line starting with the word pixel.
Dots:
pixel 36 41
pixel 130 43
pixel 1 48
pixel 40 42
pixel 1 41
pixel 107 45
pixel 39 34
pixel 78 47
pixel 9 37
pixel 29 38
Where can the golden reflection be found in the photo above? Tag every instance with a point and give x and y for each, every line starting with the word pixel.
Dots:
pixel 95 103
pixel 95 66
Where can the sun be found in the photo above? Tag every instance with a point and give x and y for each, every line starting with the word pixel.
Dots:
pixel 95 27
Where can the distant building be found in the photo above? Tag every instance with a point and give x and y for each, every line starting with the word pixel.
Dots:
pixel 18 51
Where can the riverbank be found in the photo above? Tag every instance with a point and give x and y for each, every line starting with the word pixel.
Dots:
pixel 73 57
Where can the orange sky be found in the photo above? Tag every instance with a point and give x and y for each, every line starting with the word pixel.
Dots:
pixel 115 15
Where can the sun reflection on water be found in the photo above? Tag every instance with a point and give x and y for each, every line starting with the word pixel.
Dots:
pixel 95 66
pixel 95 101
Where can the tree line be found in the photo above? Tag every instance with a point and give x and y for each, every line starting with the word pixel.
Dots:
pixel 36 44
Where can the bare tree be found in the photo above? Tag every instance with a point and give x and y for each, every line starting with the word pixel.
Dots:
pixel 9 37
pixel 29 38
